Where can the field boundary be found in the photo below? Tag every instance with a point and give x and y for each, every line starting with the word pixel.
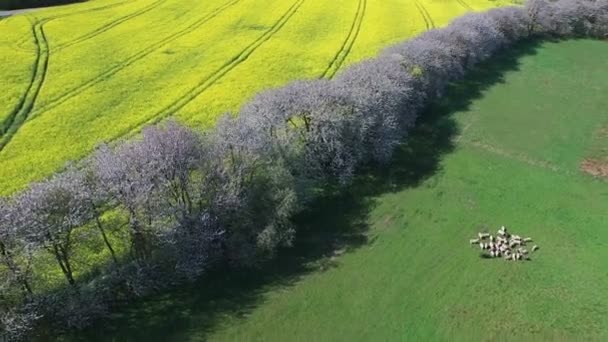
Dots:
pixel 131 60
pixel 348 44
pixel 218 74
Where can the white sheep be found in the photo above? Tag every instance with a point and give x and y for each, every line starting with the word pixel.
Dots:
pixel 535 248
pixel 483 235
pixel 528 239
pixel 474 241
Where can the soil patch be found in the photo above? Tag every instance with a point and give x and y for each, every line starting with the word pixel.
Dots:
pixel 595 167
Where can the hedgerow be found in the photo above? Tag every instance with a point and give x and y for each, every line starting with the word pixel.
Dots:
pixel 192 200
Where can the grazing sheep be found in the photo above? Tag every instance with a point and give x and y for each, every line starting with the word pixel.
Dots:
pixel 504 245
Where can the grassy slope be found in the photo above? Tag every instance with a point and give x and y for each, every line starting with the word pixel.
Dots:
pixel 504 149
pixel 130 62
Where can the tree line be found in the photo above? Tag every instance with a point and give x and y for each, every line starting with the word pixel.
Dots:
pixel 189 200
pixel 21 4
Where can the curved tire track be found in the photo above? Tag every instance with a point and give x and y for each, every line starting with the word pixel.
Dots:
pixel 465 5
pixel 110 25
pixel 23 109
pixel 428 20
pixel 347 46
pixel 130 60
pixel 25 105
pixel 18 44
pixel 217 74
pixel 25 38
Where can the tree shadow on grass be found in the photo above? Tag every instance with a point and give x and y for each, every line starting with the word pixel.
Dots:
pixel 334 224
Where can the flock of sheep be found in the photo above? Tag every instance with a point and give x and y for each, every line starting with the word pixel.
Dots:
pixel 510 247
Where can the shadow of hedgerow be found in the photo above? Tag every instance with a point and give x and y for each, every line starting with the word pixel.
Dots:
pixel 336 221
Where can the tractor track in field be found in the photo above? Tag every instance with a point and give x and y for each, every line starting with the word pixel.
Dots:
pixel 130 60
pixel 110 25
pixel 428 20
pixel 59 16
pixel 17 44
pixel 23 109
pixel 216 75
pixel 348 44
pixel 465 5
pixel 11 125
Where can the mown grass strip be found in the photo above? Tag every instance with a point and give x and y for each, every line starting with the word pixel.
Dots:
pixel 131 60
pixel 347 46
pixel 110 25
pixel 217 74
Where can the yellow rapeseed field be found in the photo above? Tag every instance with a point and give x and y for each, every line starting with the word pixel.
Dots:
pixel 74 76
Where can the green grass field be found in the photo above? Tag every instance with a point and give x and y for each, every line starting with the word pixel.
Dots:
pixel 74 76
pixel 504 148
